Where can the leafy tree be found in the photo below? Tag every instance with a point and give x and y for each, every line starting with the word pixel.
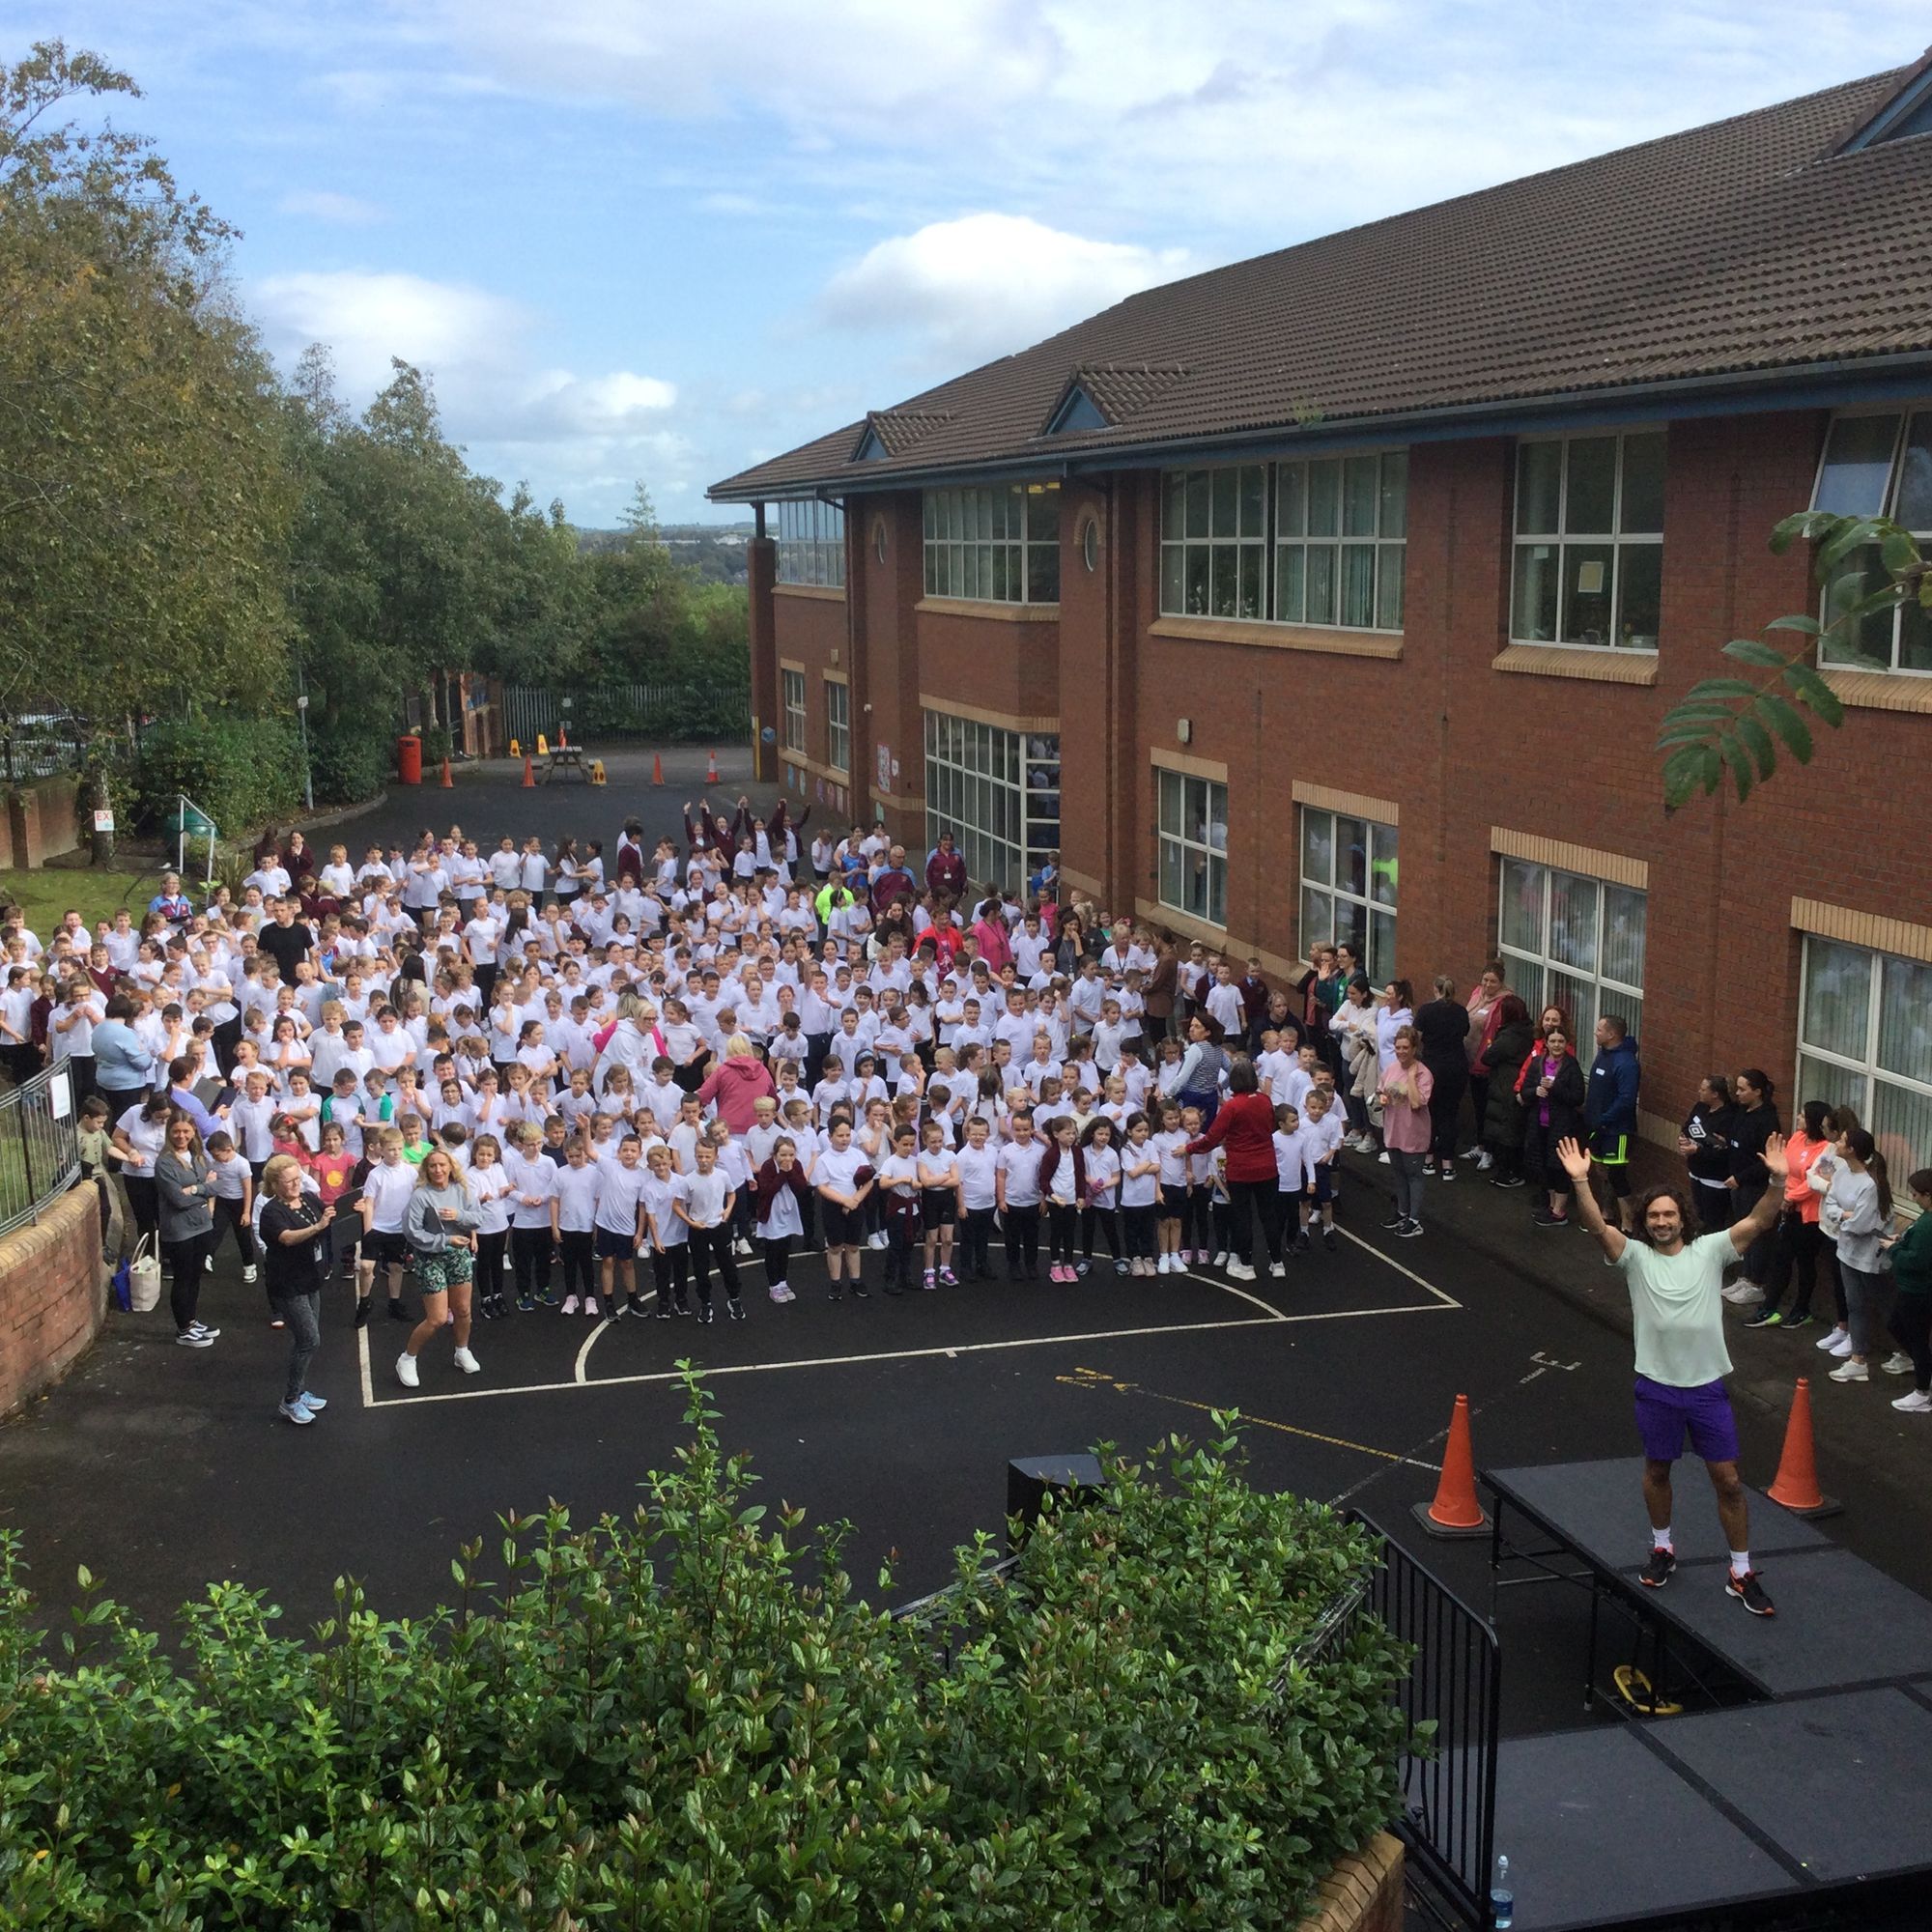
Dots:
pixel 1867 567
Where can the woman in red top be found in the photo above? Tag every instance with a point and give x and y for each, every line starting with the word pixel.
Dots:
pixel 1801 1240
pixel 1245 1124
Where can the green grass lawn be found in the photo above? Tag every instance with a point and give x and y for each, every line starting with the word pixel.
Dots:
pixel 44 895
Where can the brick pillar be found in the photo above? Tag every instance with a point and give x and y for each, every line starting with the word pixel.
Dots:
pixel 761 564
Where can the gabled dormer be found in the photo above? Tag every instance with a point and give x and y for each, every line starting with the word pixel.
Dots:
pixel 893 432
pixel 1103 395
pixel 1076 410
pixel 1906 111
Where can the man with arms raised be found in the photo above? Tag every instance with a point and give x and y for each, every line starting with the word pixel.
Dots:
pixel 1678 1311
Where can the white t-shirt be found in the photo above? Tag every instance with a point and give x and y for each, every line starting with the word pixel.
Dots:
pixel 388 1191
pixel 1678 1311
pixel 1021 1167
pixel 1137 1190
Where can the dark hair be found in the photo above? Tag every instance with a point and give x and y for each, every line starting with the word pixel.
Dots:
pixel 119 1008
pixel 1919 1180
pixel 1818 1119
pixel 1758 1078
pixel 1722 1083
pixel 1616 1023
pixel 1403 991
pixel 1685 1212
pixel 1241 1077
pixel 1861 1147
pixel 1510 1012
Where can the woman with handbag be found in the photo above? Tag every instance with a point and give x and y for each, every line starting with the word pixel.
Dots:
pixel 139 1134
pixel 186 1182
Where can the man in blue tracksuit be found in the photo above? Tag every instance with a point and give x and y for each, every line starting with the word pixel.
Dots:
pixel 1610 1108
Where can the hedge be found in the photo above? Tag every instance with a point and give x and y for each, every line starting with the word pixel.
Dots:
pixel 689 1718
pixel 349 759
pixel 241 772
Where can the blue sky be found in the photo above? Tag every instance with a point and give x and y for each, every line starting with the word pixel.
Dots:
pixel 663 242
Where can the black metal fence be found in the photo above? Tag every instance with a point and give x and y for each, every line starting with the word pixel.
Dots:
pixel 40 1148
pixel 1449 1788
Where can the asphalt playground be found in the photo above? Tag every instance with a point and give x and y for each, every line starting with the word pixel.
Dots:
pixel 160 1468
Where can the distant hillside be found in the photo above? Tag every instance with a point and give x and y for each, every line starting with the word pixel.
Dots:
pixel 712 552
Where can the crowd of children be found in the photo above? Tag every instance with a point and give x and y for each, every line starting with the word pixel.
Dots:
pixel 523 1080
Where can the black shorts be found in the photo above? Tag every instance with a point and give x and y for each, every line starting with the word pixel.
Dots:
pixel 1325 1184
pixel 844 1227
pixel 385 1250
pixel 1173 1201
pixel 938 1208
pixel 614 1247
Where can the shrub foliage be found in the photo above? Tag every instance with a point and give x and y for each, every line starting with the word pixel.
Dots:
pixel 690 1718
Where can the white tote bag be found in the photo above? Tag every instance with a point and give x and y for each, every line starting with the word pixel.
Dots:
pixel 144 1275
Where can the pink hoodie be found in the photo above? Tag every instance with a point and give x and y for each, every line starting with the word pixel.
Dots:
pixel 738 1085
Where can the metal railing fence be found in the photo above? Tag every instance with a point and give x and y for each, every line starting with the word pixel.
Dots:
pixel 39 1146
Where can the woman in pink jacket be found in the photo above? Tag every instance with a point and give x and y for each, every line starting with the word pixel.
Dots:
pixel 1405 1092
pixel 989 933
pixel 738 1083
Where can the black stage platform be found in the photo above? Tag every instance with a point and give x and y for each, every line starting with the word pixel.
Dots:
pixel 1816 1798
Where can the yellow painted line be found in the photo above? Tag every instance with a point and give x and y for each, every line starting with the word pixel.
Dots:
pixel 1099 1378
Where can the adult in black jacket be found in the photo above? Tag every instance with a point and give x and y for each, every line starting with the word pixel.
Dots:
pixel 1705 1143
pixel 1752 1124
pixel 1443 1023
pixel 1503 1120
pixel 1552 1091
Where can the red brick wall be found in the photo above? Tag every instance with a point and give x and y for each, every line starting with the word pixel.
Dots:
pixel 43 821
pixel 53 1296
pixel 1459 745
pixel 812 631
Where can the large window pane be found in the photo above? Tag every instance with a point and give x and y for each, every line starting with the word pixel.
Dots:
pixel 1639 595
pixel 1352 856
pixel 1521 923
pixel 1324 494
pixel 1361 493
pixel 1914 506
pixel 1224 486
pixel 1290 505
pixel 1625 912
pixel 1382 864
pixel 1172 564
pixel 1901 1123
pixel 1320 584
pixel 1388 585
pixel 1358 584
pixel 1838 997
pixel 1381 947
pixel 1254 500
pixel 1395 494
pixel 1573 919
pixel 1587 593
pixel 1905 1019
pixel 1318 921
pixel 1533 603
pixel 1837 1085
pixel 1317 848
pixel 1288 583
pixel 1590 478
pixel 1642 507
pixel 1856 466
pixel 1539 484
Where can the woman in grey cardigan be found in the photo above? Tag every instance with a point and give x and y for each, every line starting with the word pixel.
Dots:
pixel 185 1187
pixel 440 1226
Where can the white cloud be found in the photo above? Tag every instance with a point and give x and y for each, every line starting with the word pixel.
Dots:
pixel 345 210
pixel 987 284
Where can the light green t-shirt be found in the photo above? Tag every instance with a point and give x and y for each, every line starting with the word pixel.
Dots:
pixel 1678 1310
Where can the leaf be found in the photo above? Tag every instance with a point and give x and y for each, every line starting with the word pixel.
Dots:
pixel 1787 724
pixel 1810 626
pixel 1899 551
pixel 1733 754
pixel 1812 690
pixel 1749 650
pixel 1721 687
pixel 1852 534
pixel 1757 742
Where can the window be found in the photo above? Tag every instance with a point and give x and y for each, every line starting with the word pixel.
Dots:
pixel 839 725
pixel 1193 845
pixel 1573 942
pixel 1589 541
pixel 811 544
pixel 1882 466
pixel 1315 542
pixel 1213 542
pixel 994 546
pixel 997 792
pixel 1339 523
pixel 1349 888
pixel 1864 1036
pixel 791 691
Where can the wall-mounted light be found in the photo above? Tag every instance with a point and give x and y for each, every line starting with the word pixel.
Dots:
pixel 1183 729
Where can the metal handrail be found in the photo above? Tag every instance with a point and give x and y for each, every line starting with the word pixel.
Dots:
pixel 39 1144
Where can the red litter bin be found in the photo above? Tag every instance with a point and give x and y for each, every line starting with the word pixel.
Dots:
pixel 409 758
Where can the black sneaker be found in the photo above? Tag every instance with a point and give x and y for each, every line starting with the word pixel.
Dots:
pixel 1507 1181
pixel 1765 1317
pixel 1792 1321
pixel 487 1309
pixel 1394 1222
pixel 1657 1572
pixel 663 1311
pixel 619 1309
pixel 893 1287
pixel 1328 1239
pixel 1301 1242
pixel 362 1312
pixel 705 1314
pixel 1750 1591
pixel 860 1293
pixel 1543 1220
pixel 735 1309
pixel 832 1294
pixel 397 1311
pixel 526 1303
pixel 549 1297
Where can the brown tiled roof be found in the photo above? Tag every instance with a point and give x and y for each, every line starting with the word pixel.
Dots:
pixel 1750 245
pixel 898 430
pixel 1123 390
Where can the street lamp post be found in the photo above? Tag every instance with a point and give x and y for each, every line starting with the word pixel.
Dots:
pixel 308 775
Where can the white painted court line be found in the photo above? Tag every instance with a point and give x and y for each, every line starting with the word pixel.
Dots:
pixel 1269 1316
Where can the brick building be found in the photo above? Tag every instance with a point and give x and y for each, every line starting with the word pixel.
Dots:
pixel 1341 592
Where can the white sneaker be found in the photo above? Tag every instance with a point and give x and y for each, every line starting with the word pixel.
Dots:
pixel 876 1241
pixel 1485 1161
pixel 1220 1257
pixel 1851 1372
pixel 1382 1158
pixel 1743 1293
pixel 570 1304
pixel 1166 1264
pixel 249 1272
pixel 468 1362
pixel 591 1306
pixel 1918 1403
pixel 508 1264
pixel 294 1411
pixel 1839 1346
pixel 741 1246
pixel 207 1264
pixel 1239 1271
pixel 190 1337
pixel 406 1371
pixel 1278 1271
pixel 1897 1363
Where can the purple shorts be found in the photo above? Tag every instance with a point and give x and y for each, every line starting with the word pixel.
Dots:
pixel 1665 1414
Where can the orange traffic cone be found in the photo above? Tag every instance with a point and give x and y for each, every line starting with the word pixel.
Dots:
pixel 563 734
pixel 657 768
pixel 446 779
pixel 529 775
pixel 711 768
pixel 1454 1511
pixel 1796 1485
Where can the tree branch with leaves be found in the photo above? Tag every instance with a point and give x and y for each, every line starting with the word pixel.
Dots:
pixel 1866 568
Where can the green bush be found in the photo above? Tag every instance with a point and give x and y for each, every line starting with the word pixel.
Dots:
pixel 662 1723
pixel 241 772
pixel 349 759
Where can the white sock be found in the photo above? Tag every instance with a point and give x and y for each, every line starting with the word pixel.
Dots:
pixel 1740 1563
pixel 1660 1538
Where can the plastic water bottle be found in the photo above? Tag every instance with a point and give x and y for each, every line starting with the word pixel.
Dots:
pixel 1502 1900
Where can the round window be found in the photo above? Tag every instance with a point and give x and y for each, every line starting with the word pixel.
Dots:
pixel 1089 543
